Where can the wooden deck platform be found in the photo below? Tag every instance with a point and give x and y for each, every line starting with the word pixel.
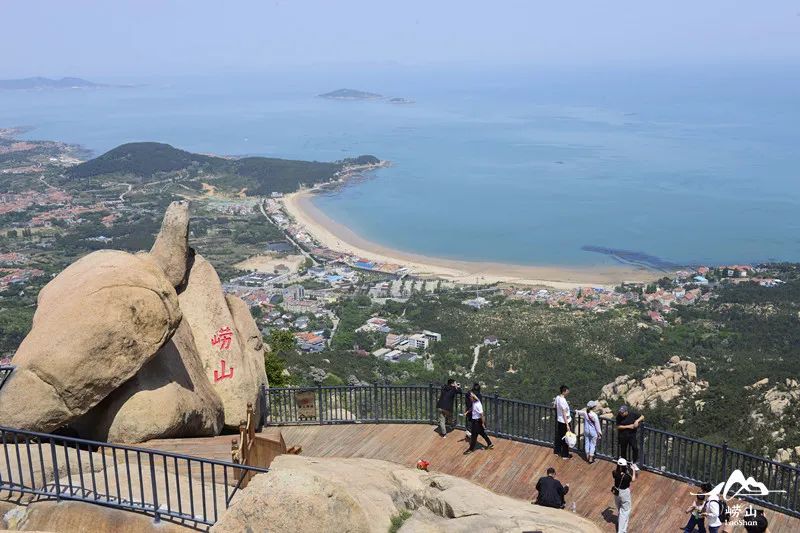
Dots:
pixel 512 468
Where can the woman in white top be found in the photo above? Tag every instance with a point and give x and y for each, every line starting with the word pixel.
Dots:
pixel 563 422
pixel 592 432
pixel 478 425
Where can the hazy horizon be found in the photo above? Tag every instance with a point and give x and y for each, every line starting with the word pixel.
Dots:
pixel 88 38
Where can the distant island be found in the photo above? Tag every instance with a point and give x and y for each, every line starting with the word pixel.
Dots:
pixel 352 94
pixel 50 83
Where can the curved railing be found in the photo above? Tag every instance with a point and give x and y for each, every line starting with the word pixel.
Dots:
pixel 662 452
pixel 165 485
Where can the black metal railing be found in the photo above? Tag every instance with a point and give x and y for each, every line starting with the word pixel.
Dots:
pixel 5 372
pixel 662 452
pixel 164 485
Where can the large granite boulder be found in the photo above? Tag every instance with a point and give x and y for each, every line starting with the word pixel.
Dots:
pixel 169 397
pixel 251 344
pixel 362 495
pixel 224 343
pixel 96 325
pixel 171 249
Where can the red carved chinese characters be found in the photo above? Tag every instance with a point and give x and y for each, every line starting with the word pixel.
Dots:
pixel 219 375
pixel 222 337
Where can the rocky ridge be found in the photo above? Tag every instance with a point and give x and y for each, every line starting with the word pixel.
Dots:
pixel 676 380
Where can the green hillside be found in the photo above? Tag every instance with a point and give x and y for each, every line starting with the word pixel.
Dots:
pixel 145 162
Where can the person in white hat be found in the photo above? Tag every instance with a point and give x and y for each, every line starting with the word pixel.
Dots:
pixel 623 476
pixel 592 432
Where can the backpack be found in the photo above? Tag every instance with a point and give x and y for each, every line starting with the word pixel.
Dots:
pixel 724 510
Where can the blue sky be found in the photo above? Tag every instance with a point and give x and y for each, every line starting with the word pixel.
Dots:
pixel 144 37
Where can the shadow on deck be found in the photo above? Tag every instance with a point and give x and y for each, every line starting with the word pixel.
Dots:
pixel 512 468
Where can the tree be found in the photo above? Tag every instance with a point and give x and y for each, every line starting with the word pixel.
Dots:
pixel 275 367
pixel 12 233
pixel 281 341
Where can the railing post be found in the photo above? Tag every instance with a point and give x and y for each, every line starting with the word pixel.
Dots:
pixel 431 403
pixel 494 414
pixel 724 473
pixel 642 453
pixel 375 409
pixel 157 518
pixel 319 403
pixel 55 468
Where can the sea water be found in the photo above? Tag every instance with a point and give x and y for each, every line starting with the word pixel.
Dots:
pixel 518 165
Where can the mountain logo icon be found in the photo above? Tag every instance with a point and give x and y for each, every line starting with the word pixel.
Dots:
pixel 746 487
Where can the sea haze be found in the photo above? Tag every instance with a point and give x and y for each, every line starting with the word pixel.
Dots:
pixel 523 166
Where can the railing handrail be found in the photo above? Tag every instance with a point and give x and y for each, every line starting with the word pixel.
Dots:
pixel 661 451
pixel 120 476
pixel 128 447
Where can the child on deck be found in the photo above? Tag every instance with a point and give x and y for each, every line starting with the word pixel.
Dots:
pixel 696 519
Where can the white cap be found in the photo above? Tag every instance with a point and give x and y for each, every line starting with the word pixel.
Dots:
pixel 592 404
pixel 622 462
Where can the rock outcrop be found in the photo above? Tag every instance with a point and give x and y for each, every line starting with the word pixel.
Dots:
pixel 131 347
pixel 675 380
pixel 169 397
pixel 171 250
pixel 96 325
pixel 363 495
pixel 231 352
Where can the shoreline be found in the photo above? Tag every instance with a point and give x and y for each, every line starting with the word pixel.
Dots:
pixel 337 237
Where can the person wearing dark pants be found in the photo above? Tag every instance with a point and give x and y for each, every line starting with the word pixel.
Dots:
pixel 447 398
pixel 478 425
pixel 628 423
pixel 563 420
pixel 550 491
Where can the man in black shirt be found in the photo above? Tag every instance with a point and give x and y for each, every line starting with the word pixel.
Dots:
pixel 447 398
pixel 551 491
pixel 627 424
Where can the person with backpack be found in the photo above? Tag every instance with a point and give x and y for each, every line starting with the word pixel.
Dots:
pixel 447 398
pixel 623 476
pixel 563 421
pixel 717 512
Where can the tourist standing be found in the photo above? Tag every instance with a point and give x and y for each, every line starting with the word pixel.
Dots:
pixel 627 424
pixel 478 424
pixel 563 421
pixel 592 432
pixel 550 490
pixel 476 388
pixel 447 398
pixel 623 477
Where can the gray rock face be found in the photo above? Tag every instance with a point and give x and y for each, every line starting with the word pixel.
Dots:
pixel 362 495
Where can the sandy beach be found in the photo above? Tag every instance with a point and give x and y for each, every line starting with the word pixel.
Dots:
pixel 340 238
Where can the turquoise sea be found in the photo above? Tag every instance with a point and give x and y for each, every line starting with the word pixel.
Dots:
pixel 527 166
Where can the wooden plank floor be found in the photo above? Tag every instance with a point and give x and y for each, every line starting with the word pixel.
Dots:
pixel 512 468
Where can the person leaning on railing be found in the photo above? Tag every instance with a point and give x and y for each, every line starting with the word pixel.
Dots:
pixel 447 398
pixel 627 424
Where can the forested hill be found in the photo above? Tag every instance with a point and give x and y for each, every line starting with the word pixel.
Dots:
pixel 145 162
